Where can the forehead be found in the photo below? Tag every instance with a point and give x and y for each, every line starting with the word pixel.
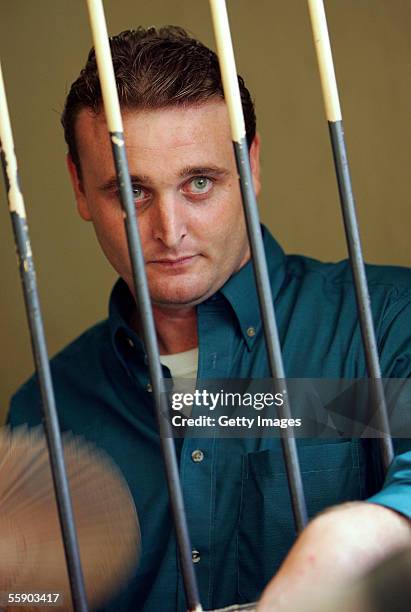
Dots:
pixel 154 132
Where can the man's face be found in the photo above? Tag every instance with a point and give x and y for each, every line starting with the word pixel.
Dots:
pixel 187 198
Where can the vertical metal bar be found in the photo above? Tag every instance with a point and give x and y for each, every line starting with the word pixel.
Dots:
pixel 334 117
pixel 39 348
pixel 115 127
pixel 233 100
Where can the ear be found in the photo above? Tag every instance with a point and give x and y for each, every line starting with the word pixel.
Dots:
pixel 82 205
pixel 255 163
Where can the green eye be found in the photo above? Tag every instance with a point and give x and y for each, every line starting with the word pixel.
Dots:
pixel 200 184
pixel 137 192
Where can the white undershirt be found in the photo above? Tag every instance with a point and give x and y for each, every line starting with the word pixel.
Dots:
pixel 182 365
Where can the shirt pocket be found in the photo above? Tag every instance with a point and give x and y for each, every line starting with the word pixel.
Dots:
pixel 332 472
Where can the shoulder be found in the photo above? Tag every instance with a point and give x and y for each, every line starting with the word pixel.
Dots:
pixel 86 346
pixel 395 280
pixel 330 288
pixel 81 358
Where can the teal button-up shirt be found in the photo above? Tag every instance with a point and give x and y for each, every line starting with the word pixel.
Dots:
pixel 237 502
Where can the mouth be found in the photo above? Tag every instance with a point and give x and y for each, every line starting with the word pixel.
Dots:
pixel 172 262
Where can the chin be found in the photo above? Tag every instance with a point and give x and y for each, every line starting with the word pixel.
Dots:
pixel 180 298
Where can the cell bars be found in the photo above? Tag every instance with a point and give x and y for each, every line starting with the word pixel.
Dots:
pixel 41 360
pixel 115 128
pixel 235 112
pixel 334 117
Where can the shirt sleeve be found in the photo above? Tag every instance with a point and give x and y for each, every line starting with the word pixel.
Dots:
pixel 396 491
pixel 395 352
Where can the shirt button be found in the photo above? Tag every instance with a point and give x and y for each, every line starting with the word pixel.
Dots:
pixel 149 388
pixel 251 332
pixel 195 555
pixel 197 456
pixel 130 342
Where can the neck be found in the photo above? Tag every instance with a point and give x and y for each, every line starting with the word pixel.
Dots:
pixel 176 329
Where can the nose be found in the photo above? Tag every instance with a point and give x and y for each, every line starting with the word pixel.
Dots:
pixel 168 222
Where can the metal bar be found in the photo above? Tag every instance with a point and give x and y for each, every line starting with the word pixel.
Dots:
pixel 334 117
pixel 233 100
pixel 41 360
pixel 115 127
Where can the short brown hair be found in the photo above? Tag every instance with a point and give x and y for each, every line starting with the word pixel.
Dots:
pixel 154 68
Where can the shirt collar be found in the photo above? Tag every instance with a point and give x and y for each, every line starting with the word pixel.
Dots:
pixel 241 292
pixel 123 337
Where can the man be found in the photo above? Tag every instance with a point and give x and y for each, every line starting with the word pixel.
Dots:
pixel 208 325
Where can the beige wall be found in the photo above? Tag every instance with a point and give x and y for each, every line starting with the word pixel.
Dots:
pixel 44 43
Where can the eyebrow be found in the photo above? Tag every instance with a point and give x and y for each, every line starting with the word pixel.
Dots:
pixel 143 179
pixel 214 170
pixel 112 182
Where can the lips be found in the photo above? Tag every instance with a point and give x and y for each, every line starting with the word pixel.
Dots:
pixel 173 262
